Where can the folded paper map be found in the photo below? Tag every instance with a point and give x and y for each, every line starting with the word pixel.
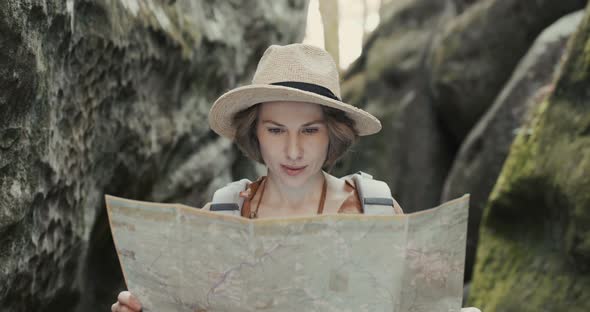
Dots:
pixel 179 258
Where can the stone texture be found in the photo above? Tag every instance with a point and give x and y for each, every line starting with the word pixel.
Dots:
pixel 111 97
pixel 462 5
pixel 475 55
pixel 406 63
pixel 479 160
pixel 534 249
pixel 411 153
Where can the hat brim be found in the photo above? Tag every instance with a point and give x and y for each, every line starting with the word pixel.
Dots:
pixel 233 101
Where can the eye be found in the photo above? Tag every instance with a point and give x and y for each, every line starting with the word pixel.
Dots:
pixel 274 130
pixel 310 130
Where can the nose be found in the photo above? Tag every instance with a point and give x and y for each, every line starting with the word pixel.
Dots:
pixel 294 150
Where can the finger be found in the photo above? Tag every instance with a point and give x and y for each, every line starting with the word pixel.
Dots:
pixel 129 300
pixel 124 308
pixel 118 307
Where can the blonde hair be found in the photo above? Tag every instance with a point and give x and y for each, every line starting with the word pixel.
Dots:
pixel 341 133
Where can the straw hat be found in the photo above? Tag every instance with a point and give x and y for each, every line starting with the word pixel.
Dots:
pixel 295 72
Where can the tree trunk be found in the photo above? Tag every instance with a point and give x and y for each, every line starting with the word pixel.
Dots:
pixel 330 19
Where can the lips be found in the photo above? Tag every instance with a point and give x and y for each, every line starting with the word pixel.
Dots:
pixel 293 170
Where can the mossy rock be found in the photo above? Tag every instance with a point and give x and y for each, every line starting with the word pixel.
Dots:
pixel 476 53
pixel 478 163
pixel 410 153
pixel 534 250
pixel 112 97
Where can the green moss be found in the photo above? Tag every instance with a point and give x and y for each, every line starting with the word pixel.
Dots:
pixel 581 66
pixel 534 244
pixel 519 273
pixel 520 264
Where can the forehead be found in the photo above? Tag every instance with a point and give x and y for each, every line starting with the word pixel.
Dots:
pixel 287 110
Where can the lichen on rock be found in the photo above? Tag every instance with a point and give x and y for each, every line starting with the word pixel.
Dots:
pixel 534 250
pixel 112 97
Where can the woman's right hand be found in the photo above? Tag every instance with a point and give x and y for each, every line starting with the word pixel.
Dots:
pixel 126 302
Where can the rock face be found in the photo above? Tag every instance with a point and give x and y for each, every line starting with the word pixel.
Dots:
pixel 411 153
pixel 478 163
pixel 401 77
pixel 420 44
pixel 111 97
pixel 534 249
pixel 475 55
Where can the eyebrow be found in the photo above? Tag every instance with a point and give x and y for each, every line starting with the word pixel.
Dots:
pixel 304 125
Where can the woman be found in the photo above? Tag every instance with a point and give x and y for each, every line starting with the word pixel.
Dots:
pixel 292 120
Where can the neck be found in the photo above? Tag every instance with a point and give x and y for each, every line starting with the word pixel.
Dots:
pixel 294 198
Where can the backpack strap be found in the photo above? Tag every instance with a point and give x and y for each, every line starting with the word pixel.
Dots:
pixel 227 200
pixel 375 195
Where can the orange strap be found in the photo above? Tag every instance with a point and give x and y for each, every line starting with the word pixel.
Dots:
pixel 254 214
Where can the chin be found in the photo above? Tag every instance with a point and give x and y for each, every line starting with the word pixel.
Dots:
pixel 294 181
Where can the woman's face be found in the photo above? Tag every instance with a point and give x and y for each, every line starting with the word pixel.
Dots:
pixel 293 140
